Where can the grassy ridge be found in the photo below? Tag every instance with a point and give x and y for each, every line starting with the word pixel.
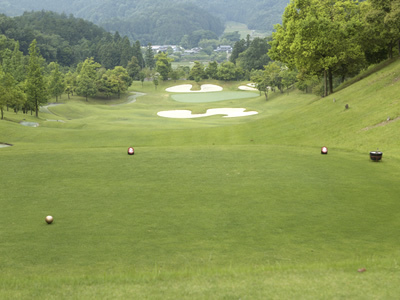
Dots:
pixel 207 208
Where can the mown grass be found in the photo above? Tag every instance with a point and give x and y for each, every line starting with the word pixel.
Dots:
pixel 209 208
pixel 212 97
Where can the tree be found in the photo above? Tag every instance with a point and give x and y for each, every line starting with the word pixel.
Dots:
pixel 227 71
pixel 137 52
pixel 126 52
pixel 15 64
pixel 163 65
pixel 288 76
pixel 142 76
pixel 155 81
pixel 133 68
pixel 257 76
pixel 382 27
pixel 109 54
pixel 107 84
pixel 149 57
pixel 255 56
pixel 197 72
pixel 238 47
pixel 4 91
pixel 273 76
pixel 318 37
pixel 10 94
pixel 306 82
pixel 86 80
pixel 70 83
pixel 56 85
pixel 175 74
pixel 36 87
pixel 212 70
pixel 122 79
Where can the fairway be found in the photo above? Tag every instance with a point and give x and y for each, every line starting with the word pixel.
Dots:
pixel 207 208
pixel 212 97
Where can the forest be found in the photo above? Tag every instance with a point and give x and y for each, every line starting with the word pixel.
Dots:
pixel 157 21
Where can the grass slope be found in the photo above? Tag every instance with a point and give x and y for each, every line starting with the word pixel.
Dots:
pixel 208 208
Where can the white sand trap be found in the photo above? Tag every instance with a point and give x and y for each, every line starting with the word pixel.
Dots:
pixel 186 88
pixel 185 114
pixel 247 88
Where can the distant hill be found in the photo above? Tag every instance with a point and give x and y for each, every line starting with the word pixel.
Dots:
pixel 160 21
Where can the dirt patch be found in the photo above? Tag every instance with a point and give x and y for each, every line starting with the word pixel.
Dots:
pixel 380 124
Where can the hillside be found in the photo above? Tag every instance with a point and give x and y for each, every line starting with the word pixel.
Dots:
pixel 158 21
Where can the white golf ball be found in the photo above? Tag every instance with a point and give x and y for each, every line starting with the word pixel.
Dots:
pixel 49 219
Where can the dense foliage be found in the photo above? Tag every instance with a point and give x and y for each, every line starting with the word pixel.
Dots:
pixel 165 23
pixel 335 38
pixel 68 40
pixel 156 21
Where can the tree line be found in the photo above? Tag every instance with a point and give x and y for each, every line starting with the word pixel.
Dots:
pixel 27 82
pixel 68 40
pixel 335 39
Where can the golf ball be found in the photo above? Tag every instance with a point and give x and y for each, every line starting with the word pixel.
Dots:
pixel 49 219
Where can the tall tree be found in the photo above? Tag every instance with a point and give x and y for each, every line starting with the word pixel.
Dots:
pixel 261 82
pixel 15 64
pixel 238 47
pixel 86 80
pixel 56 84
pixel 212 70
pixel 382 26
pixel 70 83
pixel 122 79
pixel 197 72
pixel 126 51
pixel 319 36
pixel 133 68
pixel 149 57
pixel 8 91
pixel 255 56
pixel 36 87
pixel 163 65
pixel 137 52
pixel 227 71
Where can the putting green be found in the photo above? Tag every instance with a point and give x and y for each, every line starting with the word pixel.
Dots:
pixel 212 97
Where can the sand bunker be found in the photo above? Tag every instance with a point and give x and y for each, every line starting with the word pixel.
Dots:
pixel 186 88
pixel 185 114
pixel 248 87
